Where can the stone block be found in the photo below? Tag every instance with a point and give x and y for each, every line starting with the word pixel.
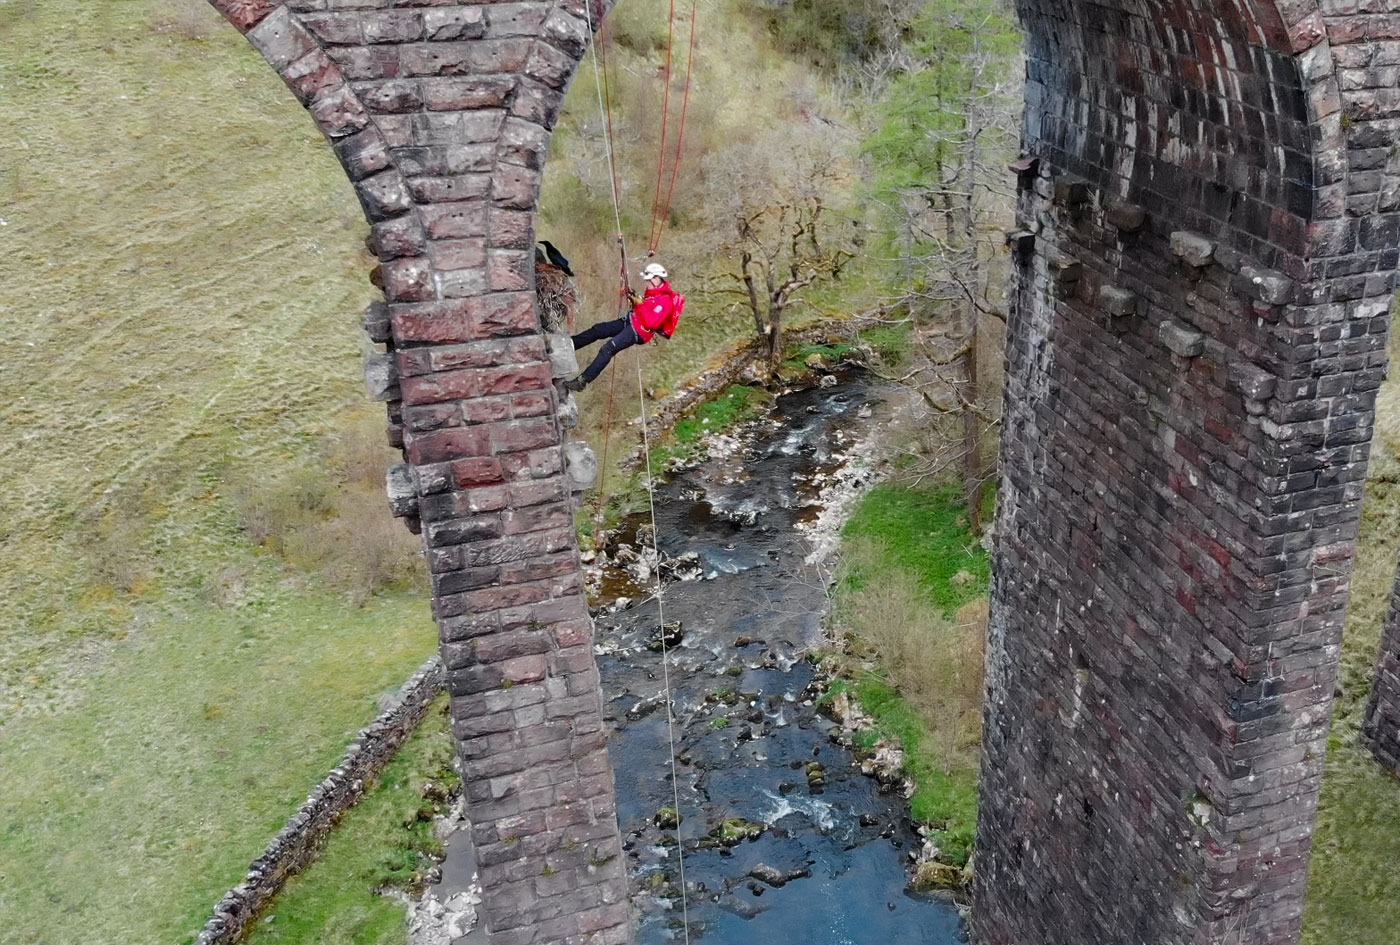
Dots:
pixel 383 196
pixel 1071 192
pixel 454 23
pixel 392 26
pixel 1020 242
pixel 445 93
pixel 394 95
pixel 376 323
pixel 398 237
pixel 1252 381
pixel 382 377
pixel 515 19
pixel 565 32
pixel 1066 270
pixel 338 112
pixel 550 67
pixel 1264 285
pixel 1025 168
pixel 403 494
pixel 363 153
pixel 1125 216
pixel 408 279
pixel 1192 248
pixel 311 75
pixel 582 466
pixel 1119 302
pixel 1181 339
pixel 567 412
pixel 281 39
pixel 562 356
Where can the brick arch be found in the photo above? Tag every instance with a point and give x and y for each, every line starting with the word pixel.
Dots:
pixel 1203 268
pixel 441 115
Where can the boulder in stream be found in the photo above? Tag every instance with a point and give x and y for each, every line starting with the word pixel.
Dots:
pixel 736 830
pixel 668 636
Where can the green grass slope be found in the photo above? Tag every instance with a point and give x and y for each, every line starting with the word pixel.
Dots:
pixel 180 284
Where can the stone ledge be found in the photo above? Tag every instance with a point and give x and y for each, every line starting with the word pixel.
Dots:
pixel 1181 339
pixel 1192 248
pixel 1118 302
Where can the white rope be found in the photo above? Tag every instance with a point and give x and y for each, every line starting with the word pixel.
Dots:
pixel 651 487
pixel 603 117
pixel 665 651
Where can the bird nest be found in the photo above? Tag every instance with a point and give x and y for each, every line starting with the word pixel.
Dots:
pixel 558 299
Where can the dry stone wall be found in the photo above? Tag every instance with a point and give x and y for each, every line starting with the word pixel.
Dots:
pixel 1204 263
pixel 441 114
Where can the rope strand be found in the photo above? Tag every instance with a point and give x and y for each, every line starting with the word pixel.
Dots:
pixel 604 105
pixel 665 117
pixel 680 137
pixel 665 651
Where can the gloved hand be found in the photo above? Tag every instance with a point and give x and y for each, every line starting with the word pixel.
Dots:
pixel 634 298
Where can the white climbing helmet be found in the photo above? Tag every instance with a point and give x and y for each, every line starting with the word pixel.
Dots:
pixel 654 269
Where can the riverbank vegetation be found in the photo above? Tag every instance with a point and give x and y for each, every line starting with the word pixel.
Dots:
pixel 910 607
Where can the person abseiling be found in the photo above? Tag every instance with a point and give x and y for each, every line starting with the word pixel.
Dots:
pixel 655 312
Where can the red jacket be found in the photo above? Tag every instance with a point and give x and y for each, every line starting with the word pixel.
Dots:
pixel 659 310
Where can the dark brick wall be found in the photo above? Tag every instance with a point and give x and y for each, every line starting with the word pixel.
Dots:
pixel 441 114
pixel 1196 337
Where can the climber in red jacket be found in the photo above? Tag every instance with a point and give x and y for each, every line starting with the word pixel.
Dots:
pixel 655 312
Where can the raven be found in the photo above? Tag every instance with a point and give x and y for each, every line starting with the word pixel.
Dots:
pixel 556 257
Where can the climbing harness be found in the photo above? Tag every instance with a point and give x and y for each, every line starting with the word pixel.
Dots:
pixel 659 213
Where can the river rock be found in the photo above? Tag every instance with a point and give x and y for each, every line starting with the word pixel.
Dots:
pixel 736 830
pixel 668 636
pixel 769 874
pixel 932 874
pixel 666 819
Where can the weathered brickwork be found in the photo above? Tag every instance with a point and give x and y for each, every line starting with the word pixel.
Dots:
pixel 441 114
pixel 1208 231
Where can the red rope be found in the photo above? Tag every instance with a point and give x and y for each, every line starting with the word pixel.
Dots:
pixel 665 113
pixel 680 137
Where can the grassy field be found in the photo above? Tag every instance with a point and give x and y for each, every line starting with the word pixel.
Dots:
pixel 180 286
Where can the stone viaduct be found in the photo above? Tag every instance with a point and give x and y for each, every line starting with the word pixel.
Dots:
pixel 1209 216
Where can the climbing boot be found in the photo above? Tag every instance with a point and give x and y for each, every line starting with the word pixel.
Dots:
pixel 575 384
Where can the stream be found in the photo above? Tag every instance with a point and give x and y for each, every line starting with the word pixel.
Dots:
pixel 784 839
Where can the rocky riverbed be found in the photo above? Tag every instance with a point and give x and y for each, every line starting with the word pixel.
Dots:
pixel 779 834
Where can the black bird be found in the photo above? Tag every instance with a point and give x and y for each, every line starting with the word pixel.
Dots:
pixel 556 257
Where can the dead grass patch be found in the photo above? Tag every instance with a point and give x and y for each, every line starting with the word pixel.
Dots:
pixel 934 661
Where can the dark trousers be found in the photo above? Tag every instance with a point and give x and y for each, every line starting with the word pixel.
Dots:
pixel 620 334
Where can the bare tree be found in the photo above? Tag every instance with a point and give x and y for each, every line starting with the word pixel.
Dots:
pixel 948 131
pixel 786 235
